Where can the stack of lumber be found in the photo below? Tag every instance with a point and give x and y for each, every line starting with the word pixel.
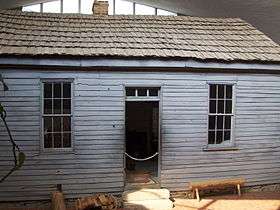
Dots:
pixel 147 199
pixel 96 202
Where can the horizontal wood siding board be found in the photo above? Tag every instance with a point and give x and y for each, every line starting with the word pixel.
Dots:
pixel 96 163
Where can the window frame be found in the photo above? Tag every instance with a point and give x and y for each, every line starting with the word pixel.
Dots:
pixel 62 149
pixel 231 144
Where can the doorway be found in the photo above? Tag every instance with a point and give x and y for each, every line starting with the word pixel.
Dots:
pixel 142 141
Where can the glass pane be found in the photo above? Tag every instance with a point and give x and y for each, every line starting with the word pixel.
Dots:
pixel 164 12
pixel 213 91
pixel 220 91
pixel 57 124
pixel 57 106
pixel 221 106
pixel 227 136
pixel 57 90
pixel 86 6
pixel 67 140
pixel 130 92
pixel 228 106
pixel 52 7
pixel 123 7
pixel 57 140
pixel 211 137
pixel 153 92
pixel 227 122
pixel 70 6
pixel 32 8
pixel 229 92
pixel 66 106
pixel 220 122
pixel 142 91
pixel 48 140
pixel 219 139
pixel 212 106
pixel 144 10
pixel 47 90
pixel 211 122
pixel 66 90
pixel 47 124
pixel 66 124
pixel 47 106
pixel 110 9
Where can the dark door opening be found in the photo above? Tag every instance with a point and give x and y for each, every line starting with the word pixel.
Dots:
pixel 142 141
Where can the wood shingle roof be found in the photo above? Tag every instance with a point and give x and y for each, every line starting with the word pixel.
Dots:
pixel 172 37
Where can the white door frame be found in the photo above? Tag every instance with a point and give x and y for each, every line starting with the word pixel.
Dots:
pixel 146 99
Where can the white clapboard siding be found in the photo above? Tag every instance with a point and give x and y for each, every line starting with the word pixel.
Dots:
pixel 96 162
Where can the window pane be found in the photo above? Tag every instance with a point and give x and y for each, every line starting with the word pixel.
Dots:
pixel 144 10
pixel 86 6
pixel 227 136
pixel 213 91
pixel 212 106
pixel 221 106
pixel 229 92
pixel 227 122
pixel 153 92
pixel 211 137
pixel 52 6
pixel 48 140
pixel 32 8
pixel 211 123
pixel 66 124
pixel 164 12
pixel 220 122
pixel 57 90
pixel 70 6
pixel 220 91
pixel 47 106
pixel 57 140
pixel 228 106
pixel 66 106
pixel 130 92
pixel 57 106
pixel 47 124
pixel 67 90
pixel 47 90
pixel 219 137
pixel 57 124
pixel 142 92
pixel 67 140
pixel 124 7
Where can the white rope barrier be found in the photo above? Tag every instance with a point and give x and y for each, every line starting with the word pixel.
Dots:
pixel 141 159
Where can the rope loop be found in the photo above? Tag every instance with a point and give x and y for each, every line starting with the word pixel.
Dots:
pixel 141 159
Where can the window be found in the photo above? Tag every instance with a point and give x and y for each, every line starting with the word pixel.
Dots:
pixel 123 7
pixel 56 122
pixel 142 92
pixel 52 7
pixel 70 6
pixel 220 118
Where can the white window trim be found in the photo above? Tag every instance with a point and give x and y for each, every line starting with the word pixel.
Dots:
pixel 55 150
pixel 231 144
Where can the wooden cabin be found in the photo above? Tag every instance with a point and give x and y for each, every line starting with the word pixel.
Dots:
pixel 90 95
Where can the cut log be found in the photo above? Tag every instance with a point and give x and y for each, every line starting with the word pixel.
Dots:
pixel 99 201
pixel 58 201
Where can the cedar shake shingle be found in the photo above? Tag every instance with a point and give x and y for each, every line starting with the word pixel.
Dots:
pixel 172 37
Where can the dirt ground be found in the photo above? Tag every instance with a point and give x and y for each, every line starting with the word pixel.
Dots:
pixel 248 201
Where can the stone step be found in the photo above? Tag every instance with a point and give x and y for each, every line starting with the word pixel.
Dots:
pixel 161 204
pixel 147 199
pixel 145 194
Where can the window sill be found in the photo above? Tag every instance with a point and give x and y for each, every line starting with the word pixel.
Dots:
pixel 229 148
pixel 58 151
